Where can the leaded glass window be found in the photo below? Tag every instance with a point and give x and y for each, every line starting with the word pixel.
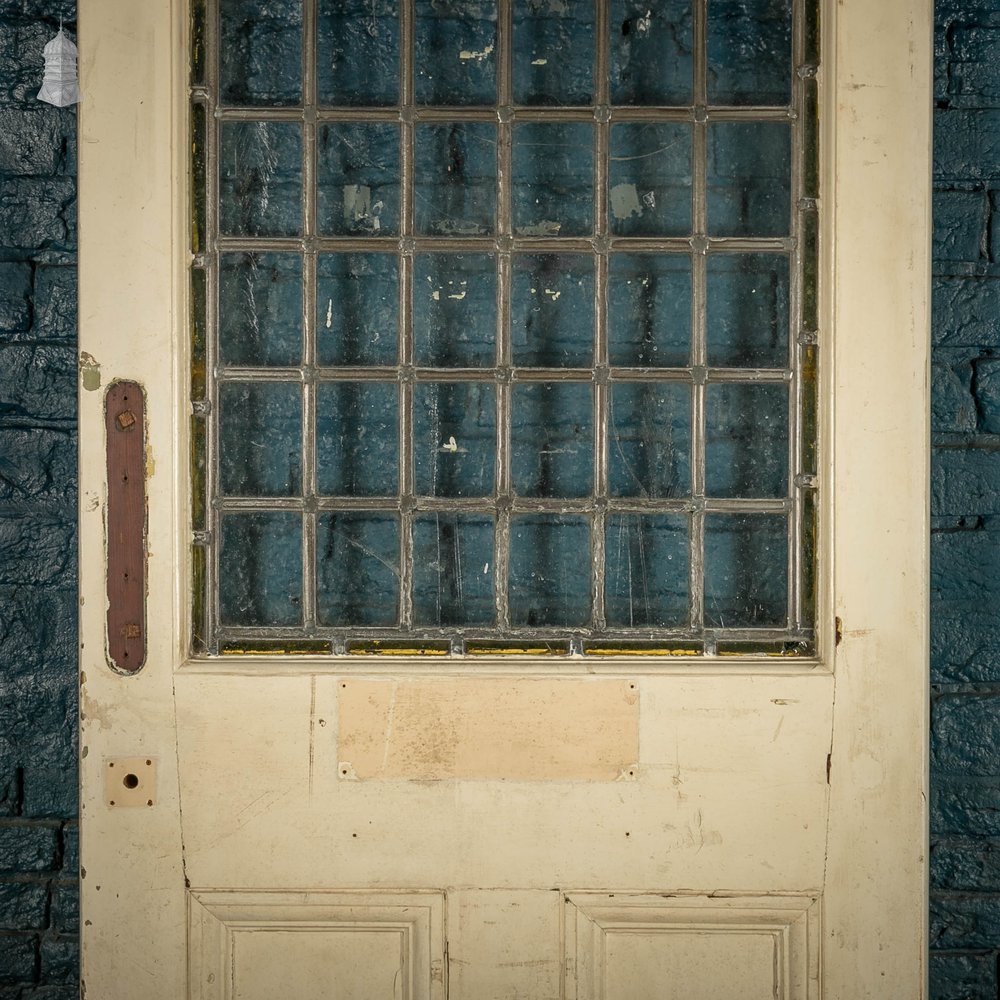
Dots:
pixel 504 325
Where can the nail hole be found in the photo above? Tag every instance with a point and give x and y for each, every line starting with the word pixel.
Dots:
pixel 149 763
pixel 131 781
pixel 149 802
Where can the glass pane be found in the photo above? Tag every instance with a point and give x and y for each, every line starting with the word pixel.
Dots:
pixel 749 52
pixel 454 310
pixel 260 308
pixel 260 179
pixel 199 333
pixel 748 310
pixel 454 438
pixel 453 570
pixel 646 575
pixel 549 570
pixel 357 308
pixel 199 175
pixel 357 52
pixel 552 432
pixel 260 438
pixel 260 52
pixel 357 180
pixel 746 570
pixel 746 440
pixel 649 310
pixel 357 568
pixel 749 177
pixel 553 179
pixel 552 311
pixel 649 440
pixel 357 438
pixel 455 51
pixel 651 52
pixel 650 192
pixel 553 52
pixel 260 569
pixel 454 189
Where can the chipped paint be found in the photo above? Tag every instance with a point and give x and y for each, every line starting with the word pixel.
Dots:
pixel 539 62
pixel 90 372
pixel 329 313
pixel 467 54
pixel 625 201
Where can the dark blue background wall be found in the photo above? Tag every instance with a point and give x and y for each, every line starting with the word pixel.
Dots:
pixel 38 829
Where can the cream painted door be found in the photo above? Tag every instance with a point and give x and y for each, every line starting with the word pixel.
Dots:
pixel 734 828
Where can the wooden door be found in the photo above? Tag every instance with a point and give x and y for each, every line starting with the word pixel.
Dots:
pixel 487 826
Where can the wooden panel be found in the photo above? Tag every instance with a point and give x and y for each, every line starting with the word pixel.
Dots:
pixel 124 419
pixel 635 947
pixel 257 945
pixel 502 728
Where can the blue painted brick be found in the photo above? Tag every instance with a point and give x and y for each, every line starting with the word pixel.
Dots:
pixel 66 908
pixel 71 850
pixel 15 296
pixel 964 921
pixel 965 807
pixel 965 864
pixel 55 303
pixel 37 464
pixel 965 482
pixel 32 140
pixel 17 958
pixel 966 144
pixel 38 213
pixel 37 549
pixel 965 732
pixel 27 848
pixel 966 312
pixel 953 408
pixel 51 791
pixel 965 647
pixel 961 218
pixel 987 393
pixel 972 74
pixel 38 626
pixel 964 569
pixel 37 381
pixel 60 959
pixel 23 905
pixel 963 977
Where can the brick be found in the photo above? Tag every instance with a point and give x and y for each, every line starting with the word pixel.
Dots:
pixel 963 977
pixel 55 304
pixel 966 144
pixel 38 213
pixel 964 921
pixel 37 382
pixel 37 549
pixel 32 140
pixel 66 908
pixel 965 482
pixel 965 731
pixel 965 864
pixel 38 721
pixel 51 792
pixel 961 219
pixel 965 647
pixel 71 850
pixel 965 312
pixel 37 464
pixel 38 632
pixel 60 959
pixel 17 958
pixel 972 76
pixel 987 393
pixel 27 848
pixel 965 806
pixel 23 905
pixel 953 409
pixel 15 297
pixel 963 569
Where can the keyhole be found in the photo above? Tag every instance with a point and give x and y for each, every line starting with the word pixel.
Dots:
pixel 130 781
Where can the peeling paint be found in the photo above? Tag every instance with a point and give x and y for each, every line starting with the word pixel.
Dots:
pixel 329 313
pixel 625 201
pixel 90 372
pixel 547 227
pixel 359 207
pixel 467 54
pixel 539 62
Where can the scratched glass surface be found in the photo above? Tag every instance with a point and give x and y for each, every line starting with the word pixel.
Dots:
pixel 649 310
pixel 746 440
pixel 552 310
pixel 651 52
pixel 454 310
pixel 357 308
pixel 454 438
pixel 547 584
pixel 260 569
pixel 455 52
pixel 255 37
pixel 749 178
pixel 260 178
pixel 646 583
pixel 553 59
pixel 357 568
pixel 749 52
pixel 454 190
pixel 357 179
pixel 260 309
pixel 357 52
pixel 748 303
pixel 650 180
pixel 746 570
pixel 260 438
pixel 650 440
pixel 357 438
pixel 552 430
pixel 553 178
pixel 453 569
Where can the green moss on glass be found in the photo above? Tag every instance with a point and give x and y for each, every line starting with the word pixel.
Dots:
pixel 198 477
pixel 810 270
pixel 198 168
pixel 197 27
pixel 198 644
pixel 810 127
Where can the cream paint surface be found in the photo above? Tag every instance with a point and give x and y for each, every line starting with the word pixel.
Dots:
pixel 503 728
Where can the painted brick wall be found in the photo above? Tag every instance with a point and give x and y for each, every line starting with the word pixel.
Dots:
pixel 39 902
pixel 965 505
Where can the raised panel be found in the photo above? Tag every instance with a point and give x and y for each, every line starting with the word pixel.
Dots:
pixel 257 945
pixel 640 947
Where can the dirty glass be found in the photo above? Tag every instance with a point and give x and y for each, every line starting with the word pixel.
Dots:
pixel 504 326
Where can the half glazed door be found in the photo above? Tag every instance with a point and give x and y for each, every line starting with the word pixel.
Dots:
pixel 503 499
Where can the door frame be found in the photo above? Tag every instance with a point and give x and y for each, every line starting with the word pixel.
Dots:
pixel 876 155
